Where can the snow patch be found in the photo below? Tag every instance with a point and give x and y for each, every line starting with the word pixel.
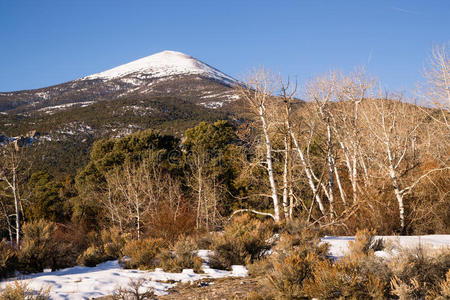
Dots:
pixel 339 244
pixel 212 104
pixel 50 109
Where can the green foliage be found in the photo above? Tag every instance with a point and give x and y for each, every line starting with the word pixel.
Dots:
pixel 45 198
pixel 8 259
pixel 108 154
pixel 19 290
pixel 212 150
pixel 142 254
pixel 243 241
pixel 210 138
pixel 38 248
pixel 68 153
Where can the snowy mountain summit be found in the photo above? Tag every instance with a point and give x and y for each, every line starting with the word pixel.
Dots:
pixel 164 74
pixel 163 64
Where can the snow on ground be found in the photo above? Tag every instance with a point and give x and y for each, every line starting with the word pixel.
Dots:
pixel 50 109
pixel 212 104
pixel 85 282
pixel 339 244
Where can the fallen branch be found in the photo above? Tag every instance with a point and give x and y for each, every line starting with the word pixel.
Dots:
pixel 253 211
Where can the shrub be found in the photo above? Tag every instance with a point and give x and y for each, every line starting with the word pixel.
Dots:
pixel 142 253
pixel 92 256
pixel 19 291
pixel 353 275
pixel 289 272
pixel 8 259
pixel 260 267
pixel 105 247
pixel 419 272
pixel 38 248
pixel 134 290
pixel 343 280
pixel 293 261
pixel 243 241
pixel 113 243
pixel 71 242
pixel 444 288
pixel 181 257
pixel 205 241
pixel 174 219
pixel 365 243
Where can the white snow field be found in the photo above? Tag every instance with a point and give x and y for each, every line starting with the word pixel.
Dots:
pixel 85 283
pixel 339 244
pixel 162 64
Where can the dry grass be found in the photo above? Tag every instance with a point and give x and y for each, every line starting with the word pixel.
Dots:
pixel 19 290
pixel 142 254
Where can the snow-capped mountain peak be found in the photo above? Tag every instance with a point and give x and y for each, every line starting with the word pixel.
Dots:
pixel 163 64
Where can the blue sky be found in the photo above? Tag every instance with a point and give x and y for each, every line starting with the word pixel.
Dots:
pixel 49 42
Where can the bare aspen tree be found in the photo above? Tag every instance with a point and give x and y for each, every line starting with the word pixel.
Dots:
pixel 350 91
pixel 135 194
pixel 287 96
pixel 320 92
pixel 392 130
pixel 313 180
pixel 7 218
pixel 257 92
pixel 436 93
pixel 204 182
pixel 437 87
pixel 9 174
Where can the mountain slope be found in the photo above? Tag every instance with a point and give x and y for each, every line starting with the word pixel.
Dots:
pixel 168 73
pixel 168 91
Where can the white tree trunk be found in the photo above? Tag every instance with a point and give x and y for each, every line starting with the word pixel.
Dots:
pixel 308 174
pixel 285 184
pixel 273 186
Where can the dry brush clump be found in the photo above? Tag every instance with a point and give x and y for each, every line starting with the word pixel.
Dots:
pixel 181 256
pixel 243 240
pixel 19 290
pixel 135 290
pixel 292 262
pixel 358 275
pixel 8 259
pixel 299 268
pixel 39 248
pixel 419 273
pixel 142 254
pixel 105 246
